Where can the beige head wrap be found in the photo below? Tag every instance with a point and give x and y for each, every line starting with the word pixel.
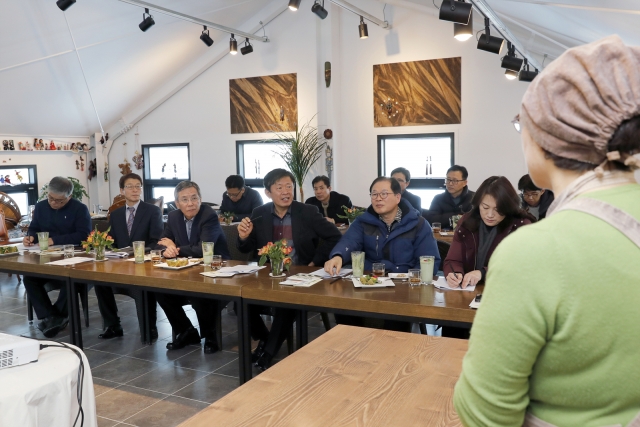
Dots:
pixel 575 105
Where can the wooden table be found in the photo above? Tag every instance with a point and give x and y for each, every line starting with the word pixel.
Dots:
pixel 448 238
pixel 350 377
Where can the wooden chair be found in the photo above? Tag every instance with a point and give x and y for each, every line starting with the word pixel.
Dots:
pixel 159 202
pixel 118 202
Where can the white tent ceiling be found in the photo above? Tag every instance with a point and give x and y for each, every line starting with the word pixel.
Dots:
pixel 44 93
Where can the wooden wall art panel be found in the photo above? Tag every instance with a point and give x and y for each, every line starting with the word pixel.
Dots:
pixel 417 93
pixel 264 104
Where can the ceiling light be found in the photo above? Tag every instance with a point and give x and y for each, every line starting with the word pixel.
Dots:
pixel 247 48
pixel 233 46
pixel 364 33
pixel 510 74
pixel 206 39
pixel 147 21
pixel 319 10
pixel 463 32
pixel 510 61
pixel 526 75
pixel 294 4
pixel 489 43
pixel 65 4
pixel 455 11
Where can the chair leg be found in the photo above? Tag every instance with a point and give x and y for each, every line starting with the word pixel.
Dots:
pixel 423 328
pixel 29 311
pixel 84 296
pixel 218 315
pixel 325 321
pixel 290 341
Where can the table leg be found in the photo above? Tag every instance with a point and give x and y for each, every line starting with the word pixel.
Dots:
pixel 75 324
pixel 302 330
pixel 146 327
pixel 244 342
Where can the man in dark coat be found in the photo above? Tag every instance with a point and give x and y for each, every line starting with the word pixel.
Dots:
pixel 403 176
pixel 329 203
pixel 238 198
pixel 456 200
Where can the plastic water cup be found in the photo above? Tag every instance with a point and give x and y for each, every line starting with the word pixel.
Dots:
pixel 68 251
pixel 43 240
pixel 426 269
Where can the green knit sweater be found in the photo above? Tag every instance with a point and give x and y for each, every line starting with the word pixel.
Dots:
pixel 558 331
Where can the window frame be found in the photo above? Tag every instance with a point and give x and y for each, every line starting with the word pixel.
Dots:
pixel 148 184
pixel 32 190
pixel 417 183
pixel 252 183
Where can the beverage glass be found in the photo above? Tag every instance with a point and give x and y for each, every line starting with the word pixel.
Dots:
pixel 68 251
pixel 207 252
pixel 32 208
pixel 378 269
pixel 156 256
pixel 357 263
pixel 138 252
pixel 216 262
pixel 414 277
pixel 437 227
pixel 43 240
pixel 426 269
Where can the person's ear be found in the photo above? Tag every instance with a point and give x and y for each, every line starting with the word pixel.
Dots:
pixel 268 193
pixel 122 191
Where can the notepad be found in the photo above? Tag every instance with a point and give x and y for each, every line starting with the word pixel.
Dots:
pixel 323 274
pixel 441 283
pixel 71 261
pixel 301 280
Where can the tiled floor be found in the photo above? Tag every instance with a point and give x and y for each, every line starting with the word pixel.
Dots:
pixel 136 384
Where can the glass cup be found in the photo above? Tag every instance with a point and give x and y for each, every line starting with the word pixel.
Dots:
pixel 156 256
pixel 68 251
pixel 426 269
pixel 437 227
pixel 357 263
pixel 414 277
pixel 32 208
pixel 378 269
pixel 138 252
pixel 216 262
pixel 43 240
pixel 207 252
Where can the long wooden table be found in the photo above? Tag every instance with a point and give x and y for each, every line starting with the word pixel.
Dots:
pixel 350 377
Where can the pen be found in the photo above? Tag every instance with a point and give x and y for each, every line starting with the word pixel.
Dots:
pixel 253 219
pixel 456 273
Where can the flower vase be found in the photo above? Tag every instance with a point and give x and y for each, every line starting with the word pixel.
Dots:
pixel 228 221
pixel 100 253
pixel 277 268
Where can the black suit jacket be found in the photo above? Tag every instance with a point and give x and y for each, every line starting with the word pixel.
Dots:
pixel 147 226
pixel 336 201
pixel 205 228
pixel 310 230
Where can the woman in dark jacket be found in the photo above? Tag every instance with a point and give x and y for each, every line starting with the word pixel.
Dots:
pixel 496 213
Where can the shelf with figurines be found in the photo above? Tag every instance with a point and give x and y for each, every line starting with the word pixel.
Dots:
pixel 40 146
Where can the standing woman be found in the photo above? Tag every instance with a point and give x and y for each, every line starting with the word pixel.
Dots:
pixel 556 340
pixel 496 213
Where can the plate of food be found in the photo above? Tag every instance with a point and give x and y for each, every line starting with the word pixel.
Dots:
pixel 399 276
pixel 372 282
pixel 9 250
pixel 178 263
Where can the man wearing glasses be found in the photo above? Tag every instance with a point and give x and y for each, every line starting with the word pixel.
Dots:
pixel 187 227
pixel 136 221
pixel 403 176
pixel 456 200
pixel 535 200
pixel 239 199
pixel 68 222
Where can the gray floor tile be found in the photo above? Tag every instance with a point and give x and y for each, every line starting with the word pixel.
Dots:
pixel 167 379
pixel 168 413
pixel 209 389
pixel 205 362
pixel 124 369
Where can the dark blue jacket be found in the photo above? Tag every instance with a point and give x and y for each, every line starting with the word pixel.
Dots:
pixel 147 226
pixel 205 228
pixel 399 250
pixel 68 225
pixel 250 200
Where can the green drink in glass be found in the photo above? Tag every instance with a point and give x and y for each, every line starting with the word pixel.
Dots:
pixel 357 264
pixel 207 253
pixel 138 252
pixel 43 240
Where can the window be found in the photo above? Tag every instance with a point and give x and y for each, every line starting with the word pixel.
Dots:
pixel 426 156
pixel 165 166
pixel 23 191
pixel 254 160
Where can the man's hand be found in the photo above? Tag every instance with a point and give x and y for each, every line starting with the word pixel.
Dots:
pixel 334 263
pixel 28 241
pixel 245 228
pixel 331 220
pixel 171 252
pixel 167 243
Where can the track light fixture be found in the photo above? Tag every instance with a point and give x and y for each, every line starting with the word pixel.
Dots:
pixel 489 43
pixel 455 11
pixel 364 33
pixel 206 39
pixel 464 32
pixel 247 48
pixel 294 4
pixel 65 4
pixel 233 46
pixel 510 74
pixel 319 9
pixel 526 75
pixel 510 61
pixel 147 20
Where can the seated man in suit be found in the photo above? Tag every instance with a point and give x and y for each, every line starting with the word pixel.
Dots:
pixel 136 221
pixel 68 222
pixel 456 200
pixel 403 176
pixel 239 199
pixel 187 227
pixel 328 202
pixel 306 231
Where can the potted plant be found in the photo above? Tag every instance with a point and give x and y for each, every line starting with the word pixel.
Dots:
pixel 98 241
pixel 351 213
pixel 300 151
pixel 228 217
pixel 278 254
pixel 78 190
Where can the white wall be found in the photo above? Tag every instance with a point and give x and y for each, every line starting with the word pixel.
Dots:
pixel 486 142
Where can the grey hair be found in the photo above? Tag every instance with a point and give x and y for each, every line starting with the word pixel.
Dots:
pixel 61 185
pixel 183 185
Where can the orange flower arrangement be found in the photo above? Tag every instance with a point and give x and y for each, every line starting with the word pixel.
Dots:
pixel 98 239
pixel 276 252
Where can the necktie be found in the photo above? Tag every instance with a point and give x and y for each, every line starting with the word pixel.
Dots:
pixel 130 220
pixel 189 224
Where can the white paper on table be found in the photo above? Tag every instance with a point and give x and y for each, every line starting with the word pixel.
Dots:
pixel 474 304
pixel 441 283
pixel 112 254
pixel 323 274
pixel 241 269
pixel 301 280
pixel 215 274
pixel 71 261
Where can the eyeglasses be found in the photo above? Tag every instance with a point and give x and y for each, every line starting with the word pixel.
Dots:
pixel 531 194
pixel 516 122
pixel 383 195
pixel 184 200
pixel 133 187
pixel 284 187
pixel 234 195
pixel 58 201
pixel 453 181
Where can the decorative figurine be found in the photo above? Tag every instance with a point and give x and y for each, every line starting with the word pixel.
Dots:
pixel 77 165
pixel 163 166
pixel 5 145
pixel 327 73
pixel 20 146
pixel 175 171
pixel 125 167
pixel 27 146
pixel 11 146
pixel 52 146
pixel 81 164
pixel 1 180
pixel 73 147
pixel 7 180
pixel 42 144
pixel 138 160
pixel 19 176
pixel 329 160
pixel 85 147
pixel 106 172
pixel 93 169
pixel 59 147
